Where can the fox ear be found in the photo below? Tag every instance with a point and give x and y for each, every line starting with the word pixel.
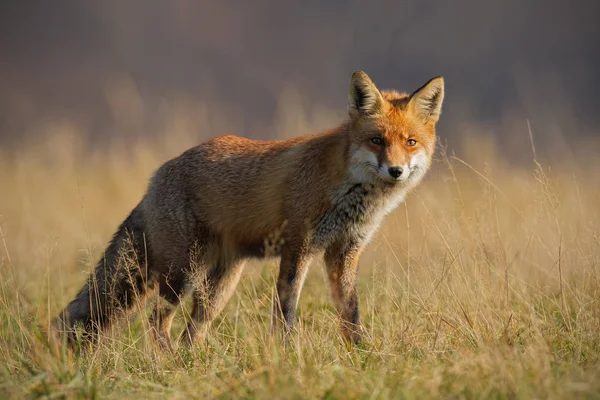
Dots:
pixel 426 102
pixel 364 98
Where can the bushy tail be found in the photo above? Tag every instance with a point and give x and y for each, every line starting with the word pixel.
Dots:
pixel 119 279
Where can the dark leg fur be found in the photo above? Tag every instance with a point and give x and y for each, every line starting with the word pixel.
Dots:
pixel 292 272
pixel 341 260
pixel 171 290
pixel 211 294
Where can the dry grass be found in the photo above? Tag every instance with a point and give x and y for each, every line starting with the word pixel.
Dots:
pixel 484 284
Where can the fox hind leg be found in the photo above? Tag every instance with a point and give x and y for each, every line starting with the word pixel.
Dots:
pixel 211 294
pixel 171 289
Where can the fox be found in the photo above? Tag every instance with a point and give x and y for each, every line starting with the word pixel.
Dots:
pixel 231 199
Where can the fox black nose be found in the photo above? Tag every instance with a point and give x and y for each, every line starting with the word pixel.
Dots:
pixel 395 172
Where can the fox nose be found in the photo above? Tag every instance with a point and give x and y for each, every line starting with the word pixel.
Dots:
pixel 395 172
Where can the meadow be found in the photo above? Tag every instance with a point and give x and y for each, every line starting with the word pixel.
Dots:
pixel 484 284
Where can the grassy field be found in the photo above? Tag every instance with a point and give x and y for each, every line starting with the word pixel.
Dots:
pixel 484 284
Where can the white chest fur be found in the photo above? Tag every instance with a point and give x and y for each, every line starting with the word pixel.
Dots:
pixel 356 212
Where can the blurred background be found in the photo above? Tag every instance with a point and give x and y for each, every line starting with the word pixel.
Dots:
pixel 500 242
pixel 141 68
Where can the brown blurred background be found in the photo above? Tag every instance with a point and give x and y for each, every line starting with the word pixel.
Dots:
pixel 118 68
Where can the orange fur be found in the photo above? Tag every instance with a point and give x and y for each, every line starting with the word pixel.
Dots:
pixel 231 198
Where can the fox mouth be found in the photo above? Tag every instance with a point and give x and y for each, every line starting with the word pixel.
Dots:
pixel 366 168
pixel 382 173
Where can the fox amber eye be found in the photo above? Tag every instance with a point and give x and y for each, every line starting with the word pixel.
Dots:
pixel 377 140
pixel 411 142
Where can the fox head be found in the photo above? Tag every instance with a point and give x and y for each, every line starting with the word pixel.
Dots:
pixel 392 135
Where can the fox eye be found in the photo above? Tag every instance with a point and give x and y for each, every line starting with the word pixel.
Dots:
pixel 377 140
pixel 411 142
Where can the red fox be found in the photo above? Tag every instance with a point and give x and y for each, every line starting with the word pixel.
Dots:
pixel 230 199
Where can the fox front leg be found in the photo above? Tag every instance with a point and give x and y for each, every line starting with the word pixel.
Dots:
pixel 341 260
pixel 292 272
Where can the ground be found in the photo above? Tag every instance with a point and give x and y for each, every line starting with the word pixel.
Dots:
pixel 484 284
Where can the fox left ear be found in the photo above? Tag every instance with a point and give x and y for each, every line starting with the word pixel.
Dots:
pixel 427 101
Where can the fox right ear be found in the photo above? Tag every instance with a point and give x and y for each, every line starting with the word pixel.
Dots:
pixel 364 98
